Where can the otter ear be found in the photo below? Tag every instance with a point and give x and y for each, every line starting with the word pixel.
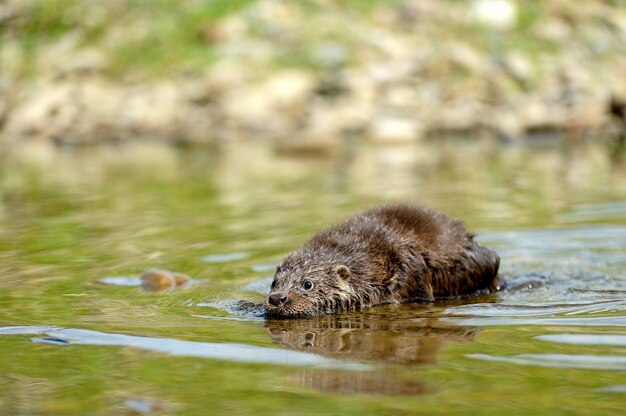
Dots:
pixel 343 272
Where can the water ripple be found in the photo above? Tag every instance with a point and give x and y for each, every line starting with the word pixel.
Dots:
pixel 482 310
pixel 176 347
pixel 596 321
pixel 224 257
pixel 557 242
pixel 587 362
pixel 605 211
pixel 585 339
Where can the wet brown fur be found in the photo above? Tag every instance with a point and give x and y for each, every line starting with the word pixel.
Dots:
pixel 392 253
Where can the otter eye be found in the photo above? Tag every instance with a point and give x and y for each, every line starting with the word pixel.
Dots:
pixel 308 285
pixel 273 283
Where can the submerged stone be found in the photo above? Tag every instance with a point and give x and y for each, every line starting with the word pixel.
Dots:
pixel 157 280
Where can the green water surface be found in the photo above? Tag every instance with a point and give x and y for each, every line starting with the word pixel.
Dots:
pixel 72 217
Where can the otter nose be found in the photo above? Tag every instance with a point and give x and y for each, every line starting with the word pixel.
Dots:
pixel 277 299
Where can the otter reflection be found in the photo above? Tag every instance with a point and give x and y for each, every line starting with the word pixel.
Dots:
pixel 368 337
pixel 397 340
pixel 389 382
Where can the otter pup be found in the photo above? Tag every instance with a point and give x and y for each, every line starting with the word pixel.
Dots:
pixel 392 253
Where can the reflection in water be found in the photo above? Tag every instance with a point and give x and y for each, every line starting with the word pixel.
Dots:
pixel 367 337
pixel 478 181
pixel 587 362
pixel 614 388
pixel 220 351
pixel 386 381
pixel 618 321
pixel 560 244
pixel 531 309
pixel 223 258
pixel 585 339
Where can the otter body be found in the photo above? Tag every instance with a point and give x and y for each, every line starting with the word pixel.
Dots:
pixel 388 254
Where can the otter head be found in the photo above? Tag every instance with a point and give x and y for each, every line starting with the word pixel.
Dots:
pixel 307 288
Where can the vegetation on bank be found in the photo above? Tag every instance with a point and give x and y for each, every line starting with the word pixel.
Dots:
pixel 164 37
pixel 148 37
pixel 195 71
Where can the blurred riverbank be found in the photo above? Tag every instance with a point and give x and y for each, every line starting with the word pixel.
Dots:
pixel 306 75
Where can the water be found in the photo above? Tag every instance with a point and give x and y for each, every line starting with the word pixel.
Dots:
pixel 78 335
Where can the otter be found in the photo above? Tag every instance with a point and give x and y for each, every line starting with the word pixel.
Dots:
pixel 388 254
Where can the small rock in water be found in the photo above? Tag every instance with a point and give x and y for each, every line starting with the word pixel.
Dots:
pixel 156 280
pixel 181 278
pixel 152 280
